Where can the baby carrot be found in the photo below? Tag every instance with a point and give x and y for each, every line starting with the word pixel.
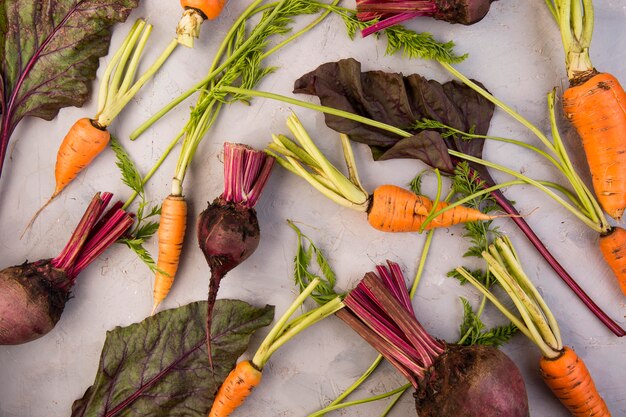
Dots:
pixel 395 209
pixel 597 109
pixel 562 370
pixel 235 389
pixel 171 234
pixel 570 381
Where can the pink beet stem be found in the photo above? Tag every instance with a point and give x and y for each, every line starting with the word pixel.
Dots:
pixel 77 240
pixel 246 172
pixel 390 21
pixel 397 6
pixel 103 237
pixel 383 306
pixel 94 233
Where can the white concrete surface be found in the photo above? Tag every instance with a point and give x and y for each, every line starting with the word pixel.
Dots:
pixel 515 51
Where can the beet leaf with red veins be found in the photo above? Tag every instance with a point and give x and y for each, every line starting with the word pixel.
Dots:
pixel 49 54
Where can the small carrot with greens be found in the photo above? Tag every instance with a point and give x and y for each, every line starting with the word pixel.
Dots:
pixel 247 374
pixel 595 103
pixel 87 138
pixel 390 208
pixel 561 368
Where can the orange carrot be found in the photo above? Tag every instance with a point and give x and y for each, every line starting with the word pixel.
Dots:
pixel 613 247
pixel 570 381
pixel 395 209
pixel 171 234
pixel 84 141
pixel 597 108
pixel 210 8
pixel 235 389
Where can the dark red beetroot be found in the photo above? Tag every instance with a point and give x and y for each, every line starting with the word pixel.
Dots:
pixel 449 380
pixel 33 295
pixel 228 230
pixel 393 12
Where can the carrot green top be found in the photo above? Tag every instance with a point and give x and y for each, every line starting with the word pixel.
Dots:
pixel 575 20
pixel 535 321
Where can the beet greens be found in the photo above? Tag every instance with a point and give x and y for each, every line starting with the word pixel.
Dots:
pixel 44 70
pixel 228 230
pixel 449 380
pixel 33 295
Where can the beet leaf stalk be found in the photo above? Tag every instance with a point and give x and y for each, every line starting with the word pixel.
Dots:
pixel 449 380
pixel 228 230
pixel 386 13
pixel 33 295
pixel 583 214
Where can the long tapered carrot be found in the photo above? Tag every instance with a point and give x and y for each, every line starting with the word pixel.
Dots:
pixel 570 381
pixel 235 389
pixel 613 247
pixel 597 109
pixel 171 234
pixel 83 142
pixel 395 209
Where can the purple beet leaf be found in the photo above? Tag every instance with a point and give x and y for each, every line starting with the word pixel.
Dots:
pixel 160 366
pixel 49 53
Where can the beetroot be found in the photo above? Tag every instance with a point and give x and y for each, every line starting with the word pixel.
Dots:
pixel 449 380
pixel 33 295
pixel 392 12
pixel 228 230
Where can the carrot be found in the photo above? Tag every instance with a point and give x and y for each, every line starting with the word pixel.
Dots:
pixel 87 138
pixel 570 381
pixel 247 374
pixel 562 370
pixel 84 141
pixel 597 109
pixel 210 8
pixel 395 209
pixel 390 208
pixel 171 234
pixel 595 104
pixel 613 247
pixel 235 389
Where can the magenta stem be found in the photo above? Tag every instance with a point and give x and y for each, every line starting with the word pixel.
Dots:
pixel 81 233
pixel 390 21
pixel 246 172
pixel 95 232
pixel 423 6
pixel 382 305
pixel 556 266
pixel 104 237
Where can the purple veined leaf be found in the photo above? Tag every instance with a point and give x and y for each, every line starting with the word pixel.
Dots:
pixel 50 52
pixel 160 366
